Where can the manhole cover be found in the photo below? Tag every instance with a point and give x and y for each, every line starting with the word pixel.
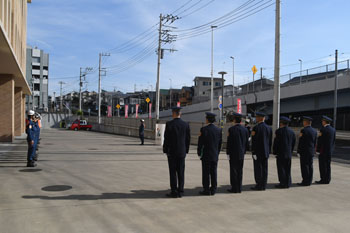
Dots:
pixel 31 170
pixel 56 188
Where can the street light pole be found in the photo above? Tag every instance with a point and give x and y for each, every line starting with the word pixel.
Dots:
pixel 301 69
pixel 212 64
pixel 222 97
pixel 170 91
pixel 233 76
pixel 335 91
pixel 276 94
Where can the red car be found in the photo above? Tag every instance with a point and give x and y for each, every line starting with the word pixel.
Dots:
pixel 80 124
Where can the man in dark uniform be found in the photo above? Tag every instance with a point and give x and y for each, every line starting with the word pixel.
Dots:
pixel 176 145
pixel 36 135
pixel 283 146
pixel 261 146
pixel 209 146
pixel 306 151
pixel 325 146
pixel 142 131
pixel 237 143
pixel 30 130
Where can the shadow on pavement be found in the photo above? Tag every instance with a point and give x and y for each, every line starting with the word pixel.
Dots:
pixel 139 194
pixel 30 170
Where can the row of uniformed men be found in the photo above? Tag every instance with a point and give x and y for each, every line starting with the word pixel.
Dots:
pixel 177 142
pixel 33 126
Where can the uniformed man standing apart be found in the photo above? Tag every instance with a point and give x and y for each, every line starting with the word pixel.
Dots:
pixel 37 135
pixel 261 146
pixel 142 131
pixel 237 143
pixel 283 146
pixel 30 139
pixel 209 146
pixel 325 146
pixel 176 145
pixel 306 151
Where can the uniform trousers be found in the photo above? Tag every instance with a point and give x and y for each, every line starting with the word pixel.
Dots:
pixel 307 170
pixel 324 163
pixel 142 138
pixel 176 173
pixel 209 175
pixel 236 173
pixel 31 152
pixel 283 170
pixel 260 172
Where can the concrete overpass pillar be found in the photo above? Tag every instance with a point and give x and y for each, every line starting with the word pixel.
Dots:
pixel 18 116
pixel 7 110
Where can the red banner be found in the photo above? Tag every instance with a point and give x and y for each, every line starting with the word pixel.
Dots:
pixel 126 111
pixel 150 111
pixel 178 104
pixel 109 111
pixel 239 106
pixel 137 111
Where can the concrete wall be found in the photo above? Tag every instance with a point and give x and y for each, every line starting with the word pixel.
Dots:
pixel 52 120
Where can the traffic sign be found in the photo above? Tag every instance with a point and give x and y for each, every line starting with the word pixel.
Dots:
pixel 220 106
pixel 220 99
pixel 118 106
pixel 254 69
pixel 148 100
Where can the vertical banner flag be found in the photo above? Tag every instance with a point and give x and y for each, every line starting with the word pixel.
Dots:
pixel 178 104
pixel 126 111
pixel 109 111
pixel 137 111
pixel 150 111
pixel 239 106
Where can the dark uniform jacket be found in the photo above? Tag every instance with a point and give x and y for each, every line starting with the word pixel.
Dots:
pixel 261 140
pixel 307 141
pixel 141 129
pixel 237 141
pixel 209 143
pixel 177 138
pixel 284 142
pixel 326 140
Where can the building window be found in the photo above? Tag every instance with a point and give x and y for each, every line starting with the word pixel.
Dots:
pixel 36 59
pixel 217 84
pixel 36 87
pixel 36 68
pixel 46 68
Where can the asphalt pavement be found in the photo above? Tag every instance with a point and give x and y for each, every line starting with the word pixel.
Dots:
pixel 95 182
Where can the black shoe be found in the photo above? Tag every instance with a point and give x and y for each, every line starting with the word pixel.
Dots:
pixel 205 193
pixel 256 188
pixel 31 164
pixel 320 182
pixel 303 184
pixel 172 195
pixel 36 157
pixel 212 193
pixel 280 186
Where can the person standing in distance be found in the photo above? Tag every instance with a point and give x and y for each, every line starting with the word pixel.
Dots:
pixel 142 131
pixel 209 146
pixel 325 146
pixel 176 145
pixel 283 146
pixel 306 151
pixel 30 139
pixel 237 143
pixel 261 146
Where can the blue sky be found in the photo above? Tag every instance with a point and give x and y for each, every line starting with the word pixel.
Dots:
pixel 75 32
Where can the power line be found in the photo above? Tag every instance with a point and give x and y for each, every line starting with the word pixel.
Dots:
pixel 198 9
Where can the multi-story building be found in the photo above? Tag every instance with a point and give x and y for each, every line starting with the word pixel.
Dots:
pixel 13 84
pixel 37 78
pixel 201 87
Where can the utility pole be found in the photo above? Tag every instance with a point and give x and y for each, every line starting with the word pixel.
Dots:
pixel 261 78
pixel 61 99
pixel 222 97
pixel 170 91
pixel 212 70
pixel 276 91
pixel 301 70
pixel 80 85
pixel 54 101
pixel 99 84
pixel 335 91
pixel 166 38
pixel 158 66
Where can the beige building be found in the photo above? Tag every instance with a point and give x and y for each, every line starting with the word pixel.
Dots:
pixel 13 84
